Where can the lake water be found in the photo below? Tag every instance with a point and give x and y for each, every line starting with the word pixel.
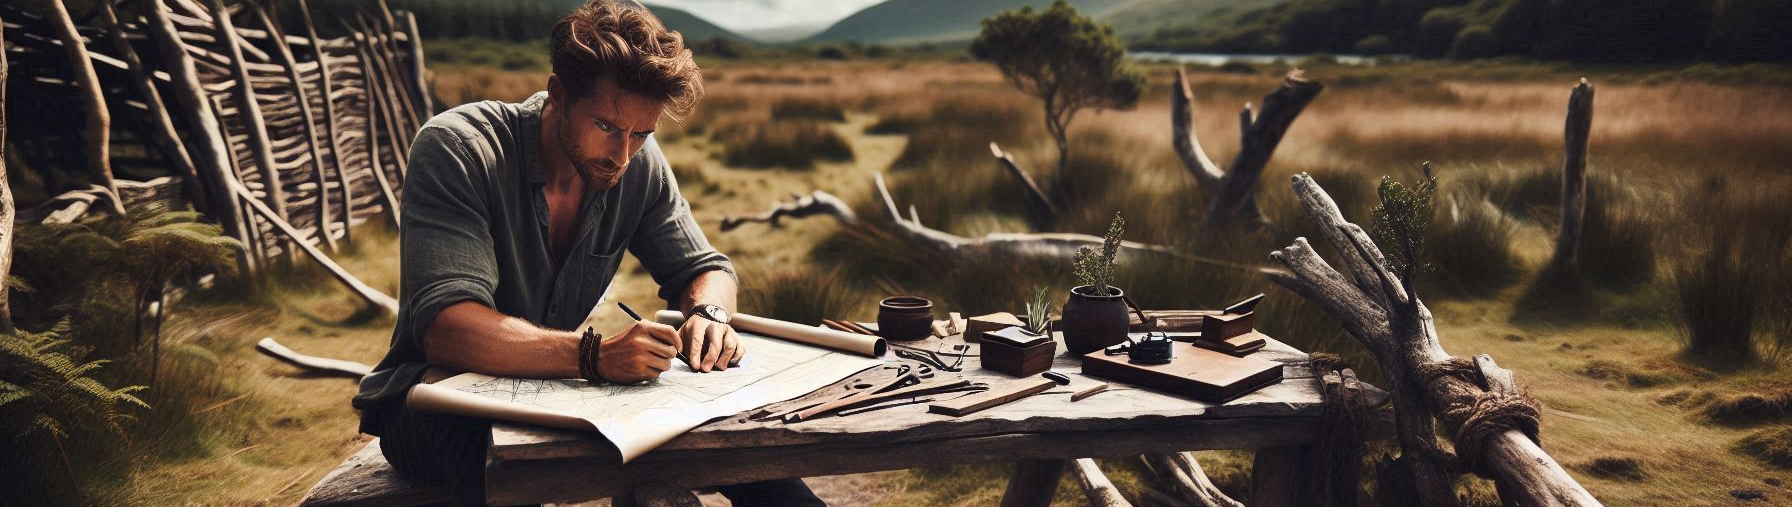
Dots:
pixel 1216 59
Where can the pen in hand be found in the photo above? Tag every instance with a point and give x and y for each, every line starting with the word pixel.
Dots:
pixel 631 314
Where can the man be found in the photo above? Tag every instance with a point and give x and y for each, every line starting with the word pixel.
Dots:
pixel 514 219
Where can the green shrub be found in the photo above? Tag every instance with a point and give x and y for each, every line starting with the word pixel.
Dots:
pixel 1374 45
pixel 1476 41
pixel 50 400
pixel 790 144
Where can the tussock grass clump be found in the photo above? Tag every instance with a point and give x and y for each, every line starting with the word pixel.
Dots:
pixel 1732 292
pixel 1617 469
pixel 805 108
pixel 1601 369
pixel 1745 409
pixel 958 128
pixel 790 144
pixel 1772 446
pixel 800 293
pixel 1469 248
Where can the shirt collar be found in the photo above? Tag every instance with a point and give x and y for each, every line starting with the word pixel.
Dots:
pixel 531 116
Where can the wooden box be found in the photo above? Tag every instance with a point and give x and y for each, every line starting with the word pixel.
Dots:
pixel 1001 354
pixel 1195 372
pixel 1221 327
pixel 976 326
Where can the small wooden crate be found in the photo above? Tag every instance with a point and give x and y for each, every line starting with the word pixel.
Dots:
pixel 1004 357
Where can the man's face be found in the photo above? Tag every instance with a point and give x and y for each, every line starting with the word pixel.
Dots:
pixel 600 132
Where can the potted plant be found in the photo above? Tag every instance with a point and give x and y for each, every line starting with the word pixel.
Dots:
pixel 1095 316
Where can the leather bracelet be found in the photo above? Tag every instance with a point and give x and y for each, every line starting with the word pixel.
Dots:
pixel 589 345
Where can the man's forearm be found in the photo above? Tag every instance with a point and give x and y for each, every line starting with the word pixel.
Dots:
pixel 469 336
pixel 715 287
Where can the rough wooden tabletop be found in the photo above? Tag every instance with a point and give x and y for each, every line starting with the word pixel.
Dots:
pixel 1122 407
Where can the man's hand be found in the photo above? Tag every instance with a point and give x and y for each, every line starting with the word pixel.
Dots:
pixel 710 344
pixel 639 353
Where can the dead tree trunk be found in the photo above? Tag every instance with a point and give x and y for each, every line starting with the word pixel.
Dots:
pixel 1041 213
pixel 7 212
pixel 99 120
pixel 1575 134
pixel 1232 200
pixel 1493 425
pixel 800 206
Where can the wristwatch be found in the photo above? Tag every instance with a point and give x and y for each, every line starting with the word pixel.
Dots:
pixel 709 311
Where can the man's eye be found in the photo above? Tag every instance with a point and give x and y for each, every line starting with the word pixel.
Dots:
pixel 607 128
pixel 641 135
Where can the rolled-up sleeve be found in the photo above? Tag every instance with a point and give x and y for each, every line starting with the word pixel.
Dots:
pixel 444 237
pixel 667 240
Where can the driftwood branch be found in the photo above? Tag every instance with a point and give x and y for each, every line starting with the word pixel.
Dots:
pixel 268 347
pixel 800 206
pixel 1037 245
pixel 1575 134
pixel 368 293
pixel 1492 424
pixel 1232 198
pixel 1041 213
pixel 1191 482
pixel 1096 486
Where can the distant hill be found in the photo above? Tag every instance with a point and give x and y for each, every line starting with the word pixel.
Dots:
pixel 908 21
pixel 693 27
pixel 1134 20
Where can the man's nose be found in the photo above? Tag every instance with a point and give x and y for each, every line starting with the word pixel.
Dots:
pixel 617 152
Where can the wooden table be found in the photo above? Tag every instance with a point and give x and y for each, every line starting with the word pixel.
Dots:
pixel 529 464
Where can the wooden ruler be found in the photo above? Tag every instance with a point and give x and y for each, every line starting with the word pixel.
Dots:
pixel 996 395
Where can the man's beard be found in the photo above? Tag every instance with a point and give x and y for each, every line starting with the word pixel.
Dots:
pixel 598 173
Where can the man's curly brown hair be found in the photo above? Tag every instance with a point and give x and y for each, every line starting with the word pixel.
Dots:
pixel 622 40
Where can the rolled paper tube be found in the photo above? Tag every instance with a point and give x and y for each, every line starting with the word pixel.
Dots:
pixel 865 345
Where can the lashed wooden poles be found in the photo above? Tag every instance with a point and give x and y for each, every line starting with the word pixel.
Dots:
pixel 1387 317
pixel 392 103
pixel 213 158
pixel 368 85
pixel 163 124
pixel 371 295
pixel 331 126
pixel 249 109
pixel 304 102
pixel 99 120
pixel 419 74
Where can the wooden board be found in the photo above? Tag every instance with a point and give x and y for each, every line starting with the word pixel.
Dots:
pixel 995 396
pixel 1196 372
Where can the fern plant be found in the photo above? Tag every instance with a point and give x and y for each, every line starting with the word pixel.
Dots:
pixel 1096 269
pixel 48 392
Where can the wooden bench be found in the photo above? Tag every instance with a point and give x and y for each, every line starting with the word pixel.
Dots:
pixel 365 479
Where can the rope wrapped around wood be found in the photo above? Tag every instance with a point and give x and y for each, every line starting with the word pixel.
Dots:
pixel 1472 412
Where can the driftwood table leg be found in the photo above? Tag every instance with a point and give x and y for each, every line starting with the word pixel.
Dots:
pixel 1278 476
pixel 655 494
pixel 1033 483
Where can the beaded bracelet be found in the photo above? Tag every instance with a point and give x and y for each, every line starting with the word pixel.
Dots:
pixel 588 353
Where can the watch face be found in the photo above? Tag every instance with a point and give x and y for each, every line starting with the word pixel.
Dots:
pixel 713 312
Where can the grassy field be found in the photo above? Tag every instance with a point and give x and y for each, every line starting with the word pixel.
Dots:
pixel 1689 186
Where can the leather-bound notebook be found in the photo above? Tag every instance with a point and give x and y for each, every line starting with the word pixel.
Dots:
pixel 1195 372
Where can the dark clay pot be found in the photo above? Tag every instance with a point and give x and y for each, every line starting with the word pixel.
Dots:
pixel 905 318
pixel 1093 322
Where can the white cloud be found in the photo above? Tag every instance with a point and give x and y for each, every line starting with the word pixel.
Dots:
pixel 760 14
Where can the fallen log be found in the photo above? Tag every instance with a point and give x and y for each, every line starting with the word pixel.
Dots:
pixel 1052 245
pixel 1493 425
pixel 800 206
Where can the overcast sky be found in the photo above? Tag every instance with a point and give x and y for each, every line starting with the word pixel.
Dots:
pixel 759 14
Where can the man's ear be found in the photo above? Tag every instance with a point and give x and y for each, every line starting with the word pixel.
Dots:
pixel 556 91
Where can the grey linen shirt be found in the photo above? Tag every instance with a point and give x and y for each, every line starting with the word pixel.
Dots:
pixel 474 227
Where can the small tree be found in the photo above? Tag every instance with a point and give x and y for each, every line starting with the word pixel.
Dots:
pixel 1069 61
